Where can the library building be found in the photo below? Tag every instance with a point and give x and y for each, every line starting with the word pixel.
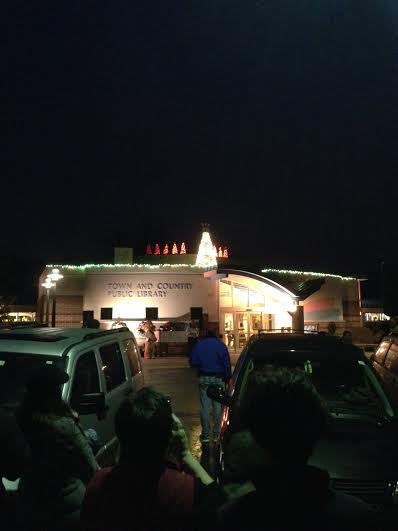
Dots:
pixel 171 287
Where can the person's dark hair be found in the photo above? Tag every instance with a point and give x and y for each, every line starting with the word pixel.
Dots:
pixel 92 323
pixel 210 333
pixel 285 413
pixel 143 425
pixel 43 398
pixel 347 336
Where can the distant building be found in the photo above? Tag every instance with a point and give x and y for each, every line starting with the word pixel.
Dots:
pixel 20 313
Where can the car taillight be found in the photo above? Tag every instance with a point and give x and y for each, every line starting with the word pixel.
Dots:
pixel 224 420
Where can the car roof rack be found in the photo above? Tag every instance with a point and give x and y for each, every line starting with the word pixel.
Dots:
pixel 10 336
pixel 94 335
pixel 22 324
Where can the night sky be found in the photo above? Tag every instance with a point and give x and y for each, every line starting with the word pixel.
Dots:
pixel 275 121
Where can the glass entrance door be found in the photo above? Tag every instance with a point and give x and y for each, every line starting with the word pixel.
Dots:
pixel 242 326
pixel 238 326
pixel 256 322
pixel 229 331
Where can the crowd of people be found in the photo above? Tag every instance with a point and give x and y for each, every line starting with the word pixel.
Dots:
pixel 157 483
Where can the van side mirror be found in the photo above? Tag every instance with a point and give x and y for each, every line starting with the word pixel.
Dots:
pixel 217 393
pixel 90 403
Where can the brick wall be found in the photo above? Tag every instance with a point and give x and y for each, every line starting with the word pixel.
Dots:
pixel 69 311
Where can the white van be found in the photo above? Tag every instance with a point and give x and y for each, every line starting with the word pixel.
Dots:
pixel 104 367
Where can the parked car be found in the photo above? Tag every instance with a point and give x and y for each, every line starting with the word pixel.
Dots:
pixel 103 367
pixel 360 450
pixel 385 362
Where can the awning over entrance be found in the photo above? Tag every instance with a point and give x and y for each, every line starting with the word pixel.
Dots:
pixel 219 273
pixel 250 303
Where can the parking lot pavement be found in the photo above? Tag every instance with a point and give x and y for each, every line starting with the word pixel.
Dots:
pixel 172 376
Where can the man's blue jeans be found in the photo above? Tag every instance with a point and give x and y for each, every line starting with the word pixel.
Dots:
pixel 206 404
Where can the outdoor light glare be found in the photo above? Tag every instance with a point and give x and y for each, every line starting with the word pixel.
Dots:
pixel 55 274
pixel 48 284
pixel 51 282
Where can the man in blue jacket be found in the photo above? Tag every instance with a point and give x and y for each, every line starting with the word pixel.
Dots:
pixel 211 359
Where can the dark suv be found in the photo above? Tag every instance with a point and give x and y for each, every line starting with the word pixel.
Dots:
pixel 360 450
pixel 385 362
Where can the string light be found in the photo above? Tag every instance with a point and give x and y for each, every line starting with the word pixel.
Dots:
pixel 125 266
pixel 207 254
pixel 305 273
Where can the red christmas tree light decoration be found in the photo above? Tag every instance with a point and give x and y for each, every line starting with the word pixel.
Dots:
pixel 148 249
pixel 174 249
pixel 183 250
pixel 166 249
pixel 225 254
pixel 157 249
pixel 220 253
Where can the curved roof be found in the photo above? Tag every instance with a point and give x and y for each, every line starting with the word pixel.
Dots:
pixel 260 278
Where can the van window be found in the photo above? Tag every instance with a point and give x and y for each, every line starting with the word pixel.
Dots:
pixel 391 362
pixel 112 365
pixel 132 354
pixel 381 352
pixel 15 370
pixel 85 379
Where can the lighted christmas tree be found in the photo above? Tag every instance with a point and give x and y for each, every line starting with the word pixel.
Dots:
pixel 220 254
pixel 157 249
pixel 183 249
pixel 148 249
pixel 174 249
pixel 207 253
pixel 225 252
pixel 166 249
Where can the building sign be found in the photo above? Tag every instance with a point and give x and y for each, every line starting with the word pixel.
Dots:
pixel 145 289
pixel 129 294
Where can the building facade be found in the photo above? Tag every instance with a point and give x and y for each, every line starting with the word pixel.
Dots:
pixel 234 302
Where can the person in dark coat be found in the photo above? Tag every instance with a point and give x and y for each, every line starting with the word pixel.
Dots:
pixel 285 418
pixel 14 454
pixel 211 359
pixel 14 450
pixel 52 485
pixel 146 491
